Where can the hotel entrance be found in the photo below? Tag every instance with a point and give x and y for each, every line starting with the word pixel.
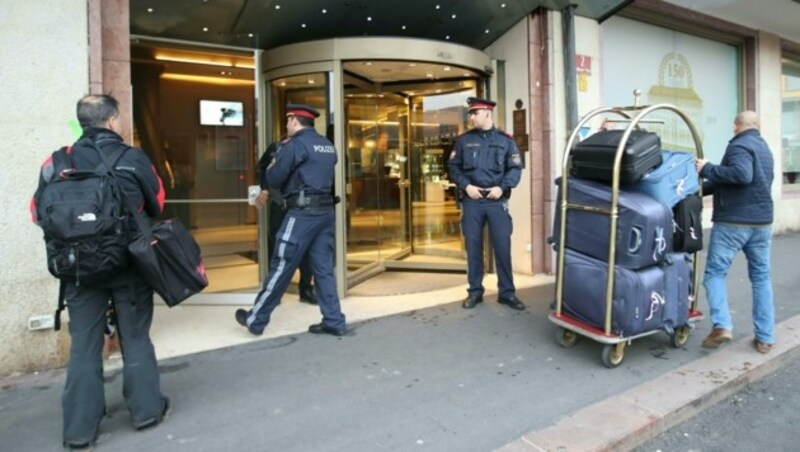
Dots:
pixel 400 121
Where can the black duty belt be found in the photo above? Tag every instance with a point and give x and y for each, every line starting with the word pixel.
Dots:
pixel 309 201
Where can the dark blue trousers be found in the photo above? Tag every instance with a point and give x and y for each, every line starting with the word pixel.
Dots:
pixel 494 213
pixel 303 231
pixel 276 215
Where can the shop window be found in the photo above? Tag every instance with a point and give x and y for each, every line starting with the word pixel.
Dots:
pixel 700 76
pixel 790 121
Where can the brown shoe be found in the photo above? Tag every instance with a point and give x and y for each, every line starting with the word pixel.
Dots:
pixel 717 337
pixel 762 347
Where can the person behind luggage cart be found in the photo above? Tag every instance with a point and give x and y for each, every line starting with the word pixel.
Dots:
pixel 275 216
pixel 302 172
pixel 485 165
pixel 83 400
pixel 743 214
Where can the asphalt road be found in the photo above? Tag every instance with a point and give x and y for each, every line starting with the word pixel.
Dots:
pixel 764 416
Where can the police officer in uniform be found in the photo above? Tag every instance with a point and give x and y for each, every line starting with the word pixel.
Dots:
pixel 302 172
pixel 275 216
pixel 485 165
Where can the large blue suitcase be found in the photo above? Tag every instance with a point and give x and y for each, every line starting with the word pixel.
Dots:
pixel 644 225
pixel 670 182
pixel 653 298
pixel 677 281
pixel 639 301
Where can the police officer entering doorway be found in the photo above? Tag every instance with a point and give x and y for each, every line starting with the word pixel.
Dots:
pixel 302 172
pixel 485 165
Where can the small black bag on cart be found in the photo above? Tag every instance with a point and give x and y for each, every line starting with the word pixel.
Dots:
pixel 593 158
pixel 641 301
pixel 688 227
pixel 644 225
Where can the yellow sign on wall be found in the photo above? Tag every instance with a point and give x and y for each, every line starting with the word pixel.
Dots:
pixel 583 82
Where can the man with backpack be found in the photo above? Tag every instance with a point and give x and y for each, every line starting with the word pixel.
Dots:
pixel 80 204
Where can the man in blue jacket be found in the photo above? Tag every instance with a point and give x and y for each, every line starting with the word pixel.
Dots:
pixel 743 214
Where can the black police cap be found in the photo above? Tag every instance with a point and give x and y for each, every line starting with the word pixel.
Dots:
pixel 476 103
pixel 301 110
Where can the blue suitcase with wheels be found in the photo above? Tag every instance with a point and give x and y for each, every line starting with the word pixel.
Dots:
pixel 644 225
pixel 639 301
pixel 670 182
pixel 677 281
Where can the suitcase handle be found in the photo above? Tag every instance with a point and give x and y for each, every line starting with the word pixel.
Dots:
pixel 636 240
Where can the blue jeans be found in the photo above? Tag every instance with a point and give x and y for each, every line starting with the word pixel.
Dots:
pixel 726 241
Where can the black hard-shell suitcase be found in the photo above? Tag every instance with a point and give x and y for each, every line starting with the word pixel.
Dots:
pixel 644 225
pixel 593 158
pixel 639 300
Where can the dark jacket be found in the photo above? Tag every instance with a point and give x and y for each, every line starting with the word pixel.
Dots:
pixel 742 181
pixel 485 158
pixel 304 161
pixel 134 170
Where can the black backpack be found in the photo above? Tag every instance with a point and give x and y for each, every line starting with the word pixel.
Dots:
pixel 84 220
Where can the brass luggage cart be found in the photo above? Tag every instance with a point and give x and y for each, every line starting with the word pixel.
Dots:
pixel 571 329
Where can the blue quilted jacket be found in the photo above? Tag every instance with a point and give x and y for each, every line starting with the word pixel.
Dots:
pixel 741 182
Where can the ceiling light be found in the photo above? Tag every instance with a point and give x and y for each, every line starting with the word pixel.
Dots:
pixel 447 68
pixel 486 31
pixel 249 35
pixel 466 74
pixel 277 6
pixel 206 79
pixel 205 28
pixel 438 91
pixel 368 63
pixel 149 10
pixel 403 27
pixel 324 11
pixel 502 5
pixel 369 18
pixel 429 75
pixel 447 37
pixel 412 64
pixel 303 25
pixel 453 16
pixel 438 6
pixel 311 81
pixel 205 60
pixel 282 83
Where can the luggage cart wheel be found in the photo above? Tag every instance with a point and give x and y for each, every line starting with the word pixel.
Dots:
pixel 680 337
pixel 566 338
pixel 613 354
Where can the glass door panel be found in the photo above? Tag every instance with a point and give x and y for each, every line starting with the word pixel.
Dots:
pixel 437 120
pixel 198 127
pixel 377 178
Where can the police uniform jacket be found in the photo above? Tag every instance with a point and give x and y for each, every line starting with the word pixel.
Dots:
pixel 485 159
pixel 304 161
